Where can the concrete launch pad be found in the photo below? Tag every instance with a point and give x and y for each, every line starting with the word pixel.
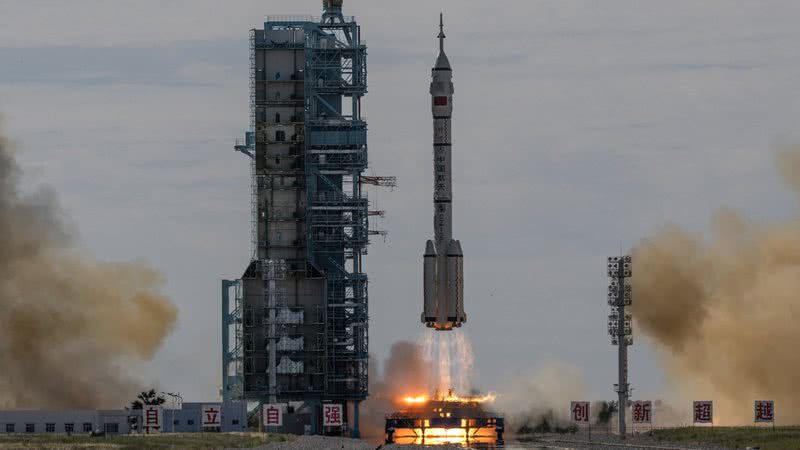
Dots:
pixel 464 421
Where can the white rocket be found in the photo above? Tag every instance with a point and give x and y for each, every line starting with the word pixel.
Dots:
pixel 443 261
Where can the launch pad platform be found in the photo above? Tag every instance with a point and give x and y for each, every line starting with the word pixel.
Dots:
pixel 444 422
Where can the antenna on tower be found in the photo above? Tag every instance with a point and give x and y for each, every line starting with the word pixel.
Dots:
pixel 332 11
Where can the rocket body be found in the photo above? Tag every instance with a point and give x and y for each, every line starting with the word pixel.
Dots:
pixel 443 261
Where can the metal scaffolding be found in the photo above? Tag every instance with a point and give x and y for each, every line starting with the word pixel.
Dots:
pixel 232 355
pixel 302 315
pixel 338 228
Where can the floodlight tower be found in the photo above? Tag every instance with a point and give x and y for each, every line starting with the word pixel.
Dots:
pixel 619 325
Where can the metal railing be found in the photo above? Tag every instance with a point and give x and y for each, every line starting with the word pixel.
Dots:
pixel 300 18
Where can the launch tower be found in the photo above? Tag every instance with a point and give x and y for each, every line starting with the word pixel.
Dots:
pixel 296 327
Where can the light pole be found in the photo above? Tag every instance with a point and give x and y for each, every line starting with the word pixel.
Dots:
pixel 620 295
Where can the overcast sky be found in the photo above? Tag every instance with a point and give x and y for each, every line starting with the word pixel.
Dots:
pixel 579 128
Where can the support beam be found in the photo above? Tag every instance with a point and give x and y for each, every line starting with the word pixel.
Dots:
pixel 226 323
pixel 356 433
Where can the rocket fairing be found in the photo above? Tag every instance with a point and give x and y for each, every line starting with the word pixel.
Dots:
pixel 443 261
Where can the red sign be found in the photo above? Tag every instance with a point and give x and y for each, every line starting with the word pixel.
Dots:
pixel 579 412
pixel 704 412
pixel 440 101
pixel 332 415
pixel 642 412
pixel 273 415
pixel 764 411
pixel 152 419
pixel 212 416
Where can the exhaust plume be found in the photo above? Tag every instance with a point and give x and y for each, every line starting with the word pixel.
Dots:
pixel 449 355
pixel 72 328
pixel 723 309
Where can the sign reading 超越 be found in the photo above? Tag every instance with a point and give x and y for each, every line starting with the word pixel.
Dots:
pixel 152 419
pixel 273 415
pixel 332 415
pixel 212 416
pixel 764 411
pixel 704 411
pixel 579 412
pixel 642 412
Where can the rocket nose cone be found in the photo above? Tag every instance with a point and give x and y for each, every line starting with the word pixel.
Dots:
pixel 430 249
pixel 442 63
pixel 454 248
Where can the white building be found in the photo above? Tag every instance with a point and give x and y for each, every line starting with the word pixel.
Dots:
pixel 185 419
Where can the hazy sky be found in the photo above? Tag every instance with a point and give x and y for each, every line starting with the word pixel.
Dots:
pixel 579 128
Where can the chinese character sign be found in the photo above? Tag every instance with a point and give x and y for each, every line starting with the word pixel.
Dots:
pixel 704 412
pixel 642 412
pixel 332 415
pixel 212 416
pixel 764 411
pixel 273 415
pixel 579 412
pixel 152 419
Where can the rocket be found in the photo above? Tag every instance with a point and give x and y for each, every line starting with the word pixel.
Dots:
pixel 443 261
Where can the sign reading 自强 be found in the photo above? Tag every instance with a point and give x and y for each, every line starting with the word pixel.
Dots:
pixel 642 411
pixel 704 411
pixel 152 419
pixel 332 415
pixel 579 412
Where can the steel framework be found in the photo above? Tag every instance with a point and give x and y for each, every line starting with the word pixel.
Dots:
pixel 338 232
pixel 232 356
pixel 300 317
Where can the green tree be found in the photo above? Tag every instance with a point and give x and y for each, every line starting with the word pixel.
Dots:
pixel 150 397
pixel 607 411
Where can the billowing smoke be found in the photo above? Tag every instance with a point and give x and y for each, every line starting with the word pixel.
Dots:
pixel 72 328
pixel 405 373
pixel 528 399
pixel 723 309
pixel 525 399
